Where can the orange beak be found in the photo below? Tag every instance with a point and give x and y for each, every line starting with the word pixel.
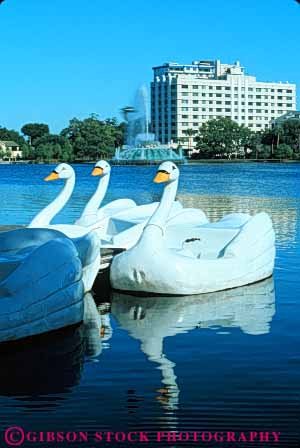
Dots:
pixel 52 176
pixel 161 177
pixel 97 171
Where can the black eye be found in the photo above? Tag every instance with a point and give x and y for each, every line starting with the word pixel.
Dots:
pixel 174 167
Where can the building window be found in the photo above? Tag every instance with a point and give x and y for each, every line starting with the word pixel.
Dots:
pixel 184 116
pixel 195 109
pixel 219 102
pixel 228 102
pixel 258 90
pixel 218 88
pixel 184 86
pixel 195 101
pixel 227 95
pixel 203 94
pixel 184 101
pixel 227 110
pixel 185 94
pixel 219 95
pixel 210 87
pixel 227 88
pixel 195 87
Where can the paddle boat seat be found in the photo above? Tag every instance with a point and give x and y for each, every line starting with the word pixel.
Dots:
pixel 207 240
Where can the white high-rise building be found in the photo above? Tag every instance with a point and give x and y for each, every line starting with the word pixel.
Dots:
pixel 185 96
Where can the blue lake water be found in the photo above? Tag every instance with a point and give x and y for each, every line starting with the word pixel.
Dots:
pixel 226 361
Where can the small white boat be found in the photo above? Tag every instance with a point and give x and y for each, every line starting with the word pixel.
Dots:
pixel 192 259
pixel 41 286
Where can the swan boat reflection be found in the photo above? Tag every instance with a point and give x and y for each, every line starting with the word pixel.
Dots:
pixel 151 319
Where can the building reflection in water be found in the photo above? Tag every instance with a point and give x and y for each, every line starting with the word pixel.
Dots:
pixel 151 319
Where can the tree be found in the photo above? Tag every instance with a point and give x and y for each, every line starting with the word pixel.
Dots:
pixel 35 131
pixel 283 151
pixel 190 134
pixel 53 146
pixel 223 137
pixel 291 134
pixel 9 134
pixel 92 137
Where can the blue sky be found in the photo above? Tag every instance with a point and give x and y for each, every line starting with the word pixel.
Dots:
pixel 66 58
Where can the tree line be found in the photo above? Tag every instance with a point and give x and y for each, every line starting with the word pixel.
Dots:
pixel 224 138
pixel 81 140
pixel 92 138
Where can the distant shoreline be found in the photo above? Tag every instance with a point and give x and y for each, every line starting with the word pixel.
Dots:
pixel 188 162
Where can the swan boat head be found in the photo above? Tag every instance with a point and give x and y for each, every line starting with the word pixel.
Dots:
pixel 62 171
pixel 101 168
pixel 167 172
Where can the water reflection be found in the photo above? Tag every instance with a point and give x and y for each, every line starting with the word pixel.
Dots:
pixel 96 326
pixel 152 319
pixel 46 368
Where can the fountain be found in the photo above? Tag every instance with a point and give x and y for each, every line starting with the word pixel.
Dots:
pixel 141 147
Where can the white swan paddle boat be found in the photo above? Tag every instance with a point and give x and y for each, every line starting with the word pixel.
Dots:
pixel 41 286
pixel 192 259
pixel 84 238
